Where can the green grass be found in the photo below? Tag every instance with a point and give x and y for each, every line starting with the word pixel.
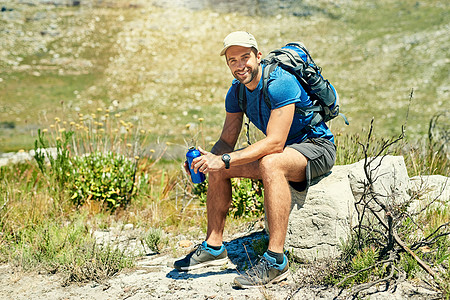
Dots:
pixel 52 79
pixel 169 74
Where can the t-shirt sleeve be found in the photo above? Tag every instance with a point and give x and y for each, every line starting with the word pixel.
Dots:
pixel 285 89
pixel 231 100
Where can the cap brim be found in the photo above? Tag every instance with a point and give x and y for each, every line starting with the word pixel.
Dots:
pixel 224 50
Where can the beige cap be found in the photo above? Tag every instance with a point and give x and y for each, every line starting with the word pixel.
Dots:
pixel 239 38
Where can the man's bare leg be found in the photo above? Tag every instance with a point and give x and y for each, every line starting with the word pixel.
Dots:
pixel 218 198
pixel 276 170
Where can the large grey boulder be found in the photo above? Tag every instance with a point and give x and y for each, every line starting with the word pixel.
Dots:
pixel 322 217
pixel 389 175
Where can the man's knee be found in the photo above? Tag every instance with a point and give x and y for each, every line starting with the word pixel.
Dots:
pixel 270 163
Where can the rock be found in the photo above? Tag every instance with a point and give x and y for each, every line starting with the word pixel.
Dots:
pixel 185 243
pixel 389 175
pixel 321 217
pixel 433 187
pixel 22 156
pixel 433 190
pixel 128 227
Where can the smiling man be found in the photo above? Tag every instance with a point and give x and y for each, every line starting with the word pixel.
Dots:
pixel 288 155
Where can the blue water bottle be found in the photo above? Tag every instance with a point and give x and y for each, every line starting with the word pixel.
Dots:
pixel 198 177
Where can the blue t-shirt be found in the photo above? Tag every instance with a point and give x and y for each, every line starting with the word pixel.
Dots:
pixel 283 89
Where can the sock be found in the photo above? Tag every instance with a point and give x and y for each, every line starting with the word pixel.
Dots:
pixel 278 256
pixel 214 247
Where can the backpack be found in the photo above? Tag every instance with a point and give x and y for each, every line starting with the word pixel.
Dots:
pixel 295 58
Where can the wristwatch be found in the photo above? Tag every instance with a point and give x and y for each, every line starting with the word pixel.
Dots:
pixel 226 159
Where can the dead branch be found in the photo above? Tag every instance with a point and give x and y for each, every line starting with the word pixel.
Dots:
pixel 365 286
pixel 403 245
pixel 389 216
pixel 427 242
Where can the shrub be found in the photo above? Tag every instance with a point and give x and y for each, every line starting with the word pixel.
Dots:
pixel 93 163
pixel 247 197
pixel 107 178
pixel 153 238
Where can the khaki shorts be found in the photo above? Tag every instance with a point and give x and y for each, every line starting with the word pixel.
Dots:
pixel 321 155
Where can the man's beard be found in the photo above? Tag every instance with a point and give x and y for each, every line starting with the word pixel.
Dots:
pixel 253 73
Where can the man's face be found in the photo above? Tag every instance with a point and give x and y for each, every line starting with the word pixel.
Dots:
pixel 243 63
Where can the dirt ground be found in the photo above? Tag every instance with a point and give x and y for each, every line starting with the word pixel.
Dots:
pixel 155 278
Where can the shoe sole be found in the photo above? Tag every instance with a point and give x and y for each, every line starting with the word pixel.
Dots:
pixel 217 262
pixel 273 281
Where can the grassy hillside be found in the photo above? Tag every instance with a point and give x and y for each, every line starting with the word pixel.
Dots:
pixel 161 68
pixel 127 77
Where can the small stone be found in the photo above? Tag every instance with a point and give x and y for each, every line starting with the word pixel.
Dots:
pixel 128 227
pixel 185 243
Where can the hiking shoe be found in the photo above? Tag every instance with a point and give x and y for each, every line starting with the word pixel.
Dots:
pixel 264 272
pixel 202 256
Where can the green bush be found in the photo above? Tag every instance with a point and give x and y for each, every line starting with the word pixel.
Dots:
pixel 104 177
pixel 247 197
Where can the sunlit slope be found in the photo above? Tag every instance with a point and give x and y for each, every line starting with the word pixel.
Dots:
pixel 160 66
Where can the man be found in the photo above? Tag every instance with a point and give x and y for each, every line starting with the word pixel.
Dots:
pixel 278 160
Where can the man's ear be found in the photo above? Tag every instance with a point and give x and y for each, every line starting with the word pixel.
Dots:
pixel 259 56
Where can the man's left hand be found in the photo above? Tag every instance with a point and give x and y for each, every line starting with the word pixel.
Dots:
pixel 207 162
